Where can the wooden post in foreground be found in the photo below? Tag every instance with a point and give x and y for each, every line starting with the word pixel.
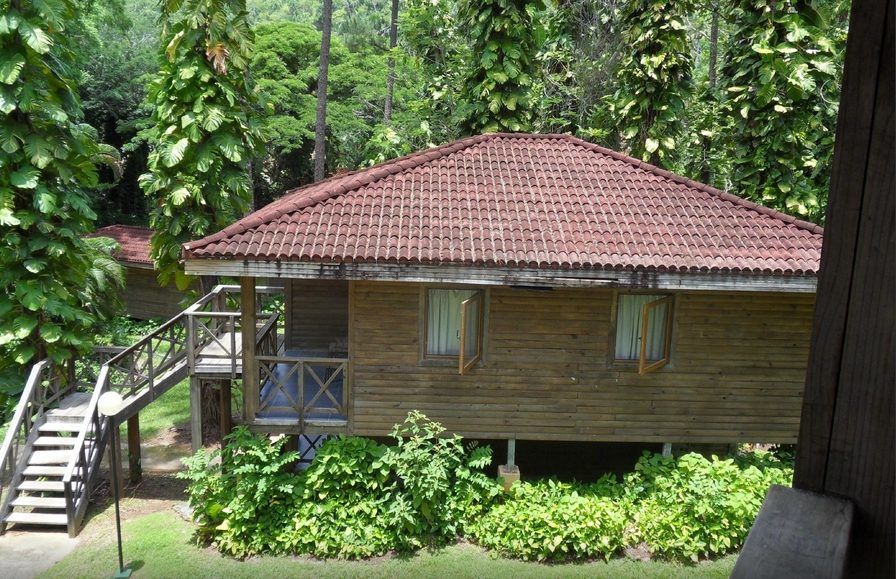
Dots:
pixel 250 364
pixel 225 410
pixel 135 468
pixel 196 412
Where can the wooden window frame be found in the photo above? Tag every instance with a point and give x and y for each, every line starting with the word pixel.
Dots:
pixel 427 359
pixel 643 365
pixel 464 365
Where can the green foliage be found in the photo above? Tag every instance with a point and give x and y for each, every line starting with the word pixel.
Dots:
pixel 357 499
pixel 362 499
pixel 242 497
pixel 500 75
pixel 683 509
pixel 48 165
pixel 694 507
pixel 654 78
pixel 780 85
pixel 439 486
pixel 344 509
pixel 204 131
pixel 551 521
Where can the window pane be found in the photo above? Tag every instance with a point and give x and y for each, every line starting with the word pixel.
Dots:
pixel 628 327
pixel 443 321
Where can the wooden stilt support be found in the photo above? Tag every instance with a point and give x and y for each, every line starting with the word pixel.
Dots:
pixel 509 472
pixel 226 411
pixel 135 468
pixel 196 412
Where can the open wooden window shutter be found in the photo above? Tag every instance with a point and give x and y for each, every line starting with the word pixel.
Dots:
pixel 470 332
pixel 660 307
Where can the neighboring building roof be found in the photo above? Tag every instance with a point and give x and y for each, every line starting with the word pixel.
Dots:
pixel 520 201
pixel 134 242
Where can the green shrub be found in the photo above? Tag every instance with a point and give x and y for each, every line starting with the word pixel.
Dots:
pixel 363 499
pixel 551 521
pixel 439 484
pixel 343 508
pixel 243 503
pixel 694 507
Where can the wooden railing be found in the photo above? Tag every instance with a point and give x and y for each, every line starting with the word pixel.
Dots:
pixel 47 384
pixel 283 381
pixel 137 370
pixel 212 322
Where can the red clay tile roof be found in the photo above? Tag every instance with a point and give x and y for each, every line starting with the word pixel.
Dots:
pixel 134 242
pixel 520 200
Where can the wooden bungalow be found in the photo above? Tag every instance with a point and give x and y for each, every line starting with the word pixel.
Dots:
pixel 143 297
pixel 519 286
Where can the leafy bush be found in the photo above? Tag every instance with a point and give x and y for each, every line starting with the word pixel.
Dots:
pixel 357 499
pixel 439 483
pixel 243 498
pixel 343 508
pixel 551 521
pixel 692 506
pixel 363 499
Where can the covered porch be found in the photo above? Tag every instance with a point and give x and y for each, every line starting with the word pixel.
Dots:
pixel 295 373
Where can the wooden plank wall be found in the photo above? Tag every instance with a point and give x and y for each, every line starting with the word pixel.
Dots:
pixel 317 314
pixel 738 364
pixel 144 299
pixel 846 441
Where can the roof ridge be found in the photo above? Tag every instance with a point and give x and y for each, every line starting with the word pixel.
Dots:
pixel 730 197
pixel 348 181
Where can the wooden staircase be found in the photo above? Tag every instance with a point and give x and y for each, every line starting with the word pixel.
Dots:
pixel 38 498
pixel 51 455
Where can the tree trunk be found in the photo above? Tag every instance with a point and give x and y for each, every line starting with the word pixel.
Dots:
pixel 320 130
pixel 713 47
pixel 390 79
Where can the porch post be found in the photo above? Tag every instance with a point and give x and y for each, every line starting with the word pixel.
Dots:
pixel 250 364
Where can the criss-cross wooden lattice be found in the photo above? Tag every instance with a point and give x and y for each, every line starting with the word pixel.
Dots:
pixel 302 388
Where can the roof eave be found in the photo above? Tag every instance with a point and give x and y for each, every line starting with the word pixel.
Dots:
pixel 420 273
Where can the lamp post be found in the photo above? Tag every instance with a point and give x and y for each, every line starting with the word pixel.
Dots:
pixel 109 405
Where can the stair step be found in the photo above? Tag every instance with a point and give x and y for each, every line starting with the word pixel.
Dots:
pixel 44 471
pixel 39 502
pixel 41 457
pixel 36 519
pixel 55 441
pixel 41 486
pixel 73 427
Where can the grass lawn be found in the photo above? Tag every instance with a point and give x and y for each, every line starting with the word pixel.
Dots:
pixel 171 409
pixel 159 545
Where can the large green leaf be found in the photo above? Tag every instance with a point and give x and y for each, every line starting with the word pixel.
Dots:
pixel 175 153
pixel 25 178
pixel 34 37
pixel 11 65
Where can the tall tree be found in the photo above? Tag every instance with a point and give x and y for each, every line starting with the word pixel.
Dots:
pixel 204 132
pixel 320 128
pixel 780 82
pixel 498 84
pixel 654 78
pixel 390 78
pixel 48 166
pixel 714 46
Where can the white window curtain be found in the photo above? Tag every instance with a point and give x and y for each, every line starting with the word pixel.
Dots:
pixel 443 321
pixel 629 324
